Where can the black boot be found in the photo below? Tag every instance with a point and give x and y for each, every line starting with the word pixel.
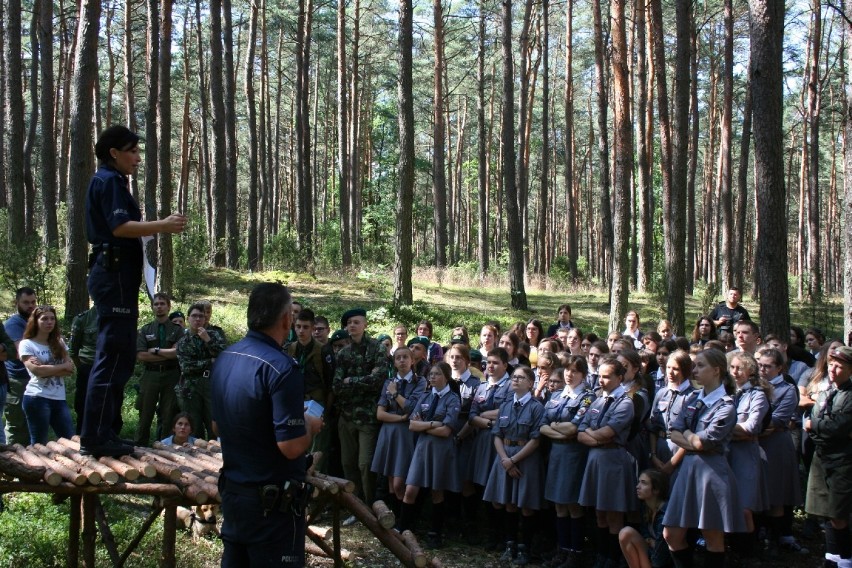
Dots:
pixel 682 558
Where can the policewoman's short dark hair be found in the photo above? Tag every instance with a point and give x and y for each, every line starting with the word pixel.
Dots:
pixel 266 304
pixel 118 137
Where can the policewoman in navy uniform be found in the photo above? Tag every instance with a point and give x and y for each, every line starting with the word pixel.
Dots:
pixel 259 415
pixel 114 226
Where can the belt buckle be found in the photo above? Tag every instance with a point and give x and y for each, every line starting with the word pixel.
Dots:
pixel 206 374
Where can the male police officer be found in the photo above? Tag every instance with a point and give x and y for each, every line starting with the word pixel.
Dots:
pixel 259 413
pixel 113 226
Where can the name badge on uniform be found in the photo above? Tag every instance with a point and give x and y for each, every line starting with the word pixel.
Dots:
pixel 150 336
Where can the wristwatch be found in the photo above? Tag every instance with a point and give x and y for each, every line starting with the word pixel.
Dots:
pixel 156 350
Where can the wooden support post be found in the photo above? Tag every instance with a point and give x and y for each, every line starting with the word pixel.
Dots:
pixel 167 560
pixel 335 523
pixel 155 514
pixel 106 533
pixel 89 532
pixel 74 532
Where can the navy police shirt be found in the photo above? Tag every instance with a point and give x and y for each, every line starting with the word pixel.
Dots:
pixel 258 401
pixel 108 205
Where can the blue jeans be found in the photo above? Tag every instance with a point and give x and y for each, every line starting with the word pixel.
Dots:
pixel 43 413
pixel 4 390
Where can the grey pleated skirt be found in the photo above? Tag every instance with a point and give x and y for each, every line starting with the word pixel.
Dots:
pixel 748 462
pixel 609 483
pixel 482 457
pixel 525 492
pixel 565 472
pixel 705 496
pixel 394 449
pixel 434 464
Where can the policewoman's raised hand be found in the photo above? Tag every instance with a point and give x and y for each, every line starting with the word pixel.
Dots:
pixel 174 223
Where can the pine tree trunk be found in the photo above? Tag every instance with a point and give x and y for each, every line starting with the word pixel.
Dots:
pixel 254 174
pixel 623 148
pixel 204 152
pixel 129 92
pixel 152 81
pixel 544 203
pixel 571 249
pixel 767 39
pixel 47 167
pixel 813 115
pixel 218 166
pixel 166 268
pixel 402 291
pixel 601 90
pixel 507 148
pixel 355 136
pixel 29 142
pixel 15 121
pixel 439 180
pixel 644 145
pixel 725 168
pixel 482 148
pixel 742 188
pixel 342 136
pixel 232 227
pixel 81 157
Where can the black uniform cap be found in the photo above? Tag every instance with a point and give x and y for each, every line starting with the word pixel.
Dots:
pixel 352 313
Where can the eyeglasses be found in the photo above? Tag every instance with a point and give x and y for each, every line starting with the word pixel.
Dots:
pixel 519 377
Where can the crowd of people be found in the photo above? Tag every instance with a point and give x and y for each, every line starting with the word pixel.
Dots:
pixel 640 446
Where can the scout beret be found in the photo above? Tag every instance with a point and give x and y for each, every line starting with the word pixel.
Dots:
pixel 458 338
pixel 339 335
pixel 344 319
pixel 842 354
pixel 118 137
pixel 382 337
pixel 421 339
pixel 177 314
pixel 476 355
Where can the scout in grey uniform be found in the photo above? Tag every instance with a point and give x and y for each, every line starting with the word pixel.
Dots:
pixel 745 456
pixel 562 414
pixel 396 442
pixel 433 465
pixel 781 455
pixel 516 475
pixel 484 411
pixel 611 472
pixel 704 494
pixel 830 426
pixel 458 358
pixel 668 404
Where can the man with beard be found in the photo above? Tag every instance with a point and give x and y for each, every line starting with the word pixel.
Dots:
pixel 16 422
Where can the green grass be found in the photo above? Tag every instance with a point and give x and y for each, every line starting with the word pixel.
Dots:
pixel 34 529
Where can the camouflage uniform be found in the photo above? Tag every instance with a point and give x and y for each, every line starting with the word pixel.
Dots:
pixel 366 366
pixel 193 390
pixel 158 381
pixel 81 348
pixel 318 373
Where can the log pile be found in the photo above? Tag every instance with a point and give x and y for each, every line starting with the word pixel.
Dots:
pixel 192 472
pixel 188 474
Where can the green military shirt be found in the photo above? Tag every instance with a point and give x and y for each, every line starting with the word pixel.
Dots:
pixel 366 365
pixel 163 335
pixel 84 336
pixel 194 355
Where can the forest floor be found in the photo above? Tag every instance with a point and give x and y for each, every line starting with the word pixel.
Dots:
pixel 34 529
